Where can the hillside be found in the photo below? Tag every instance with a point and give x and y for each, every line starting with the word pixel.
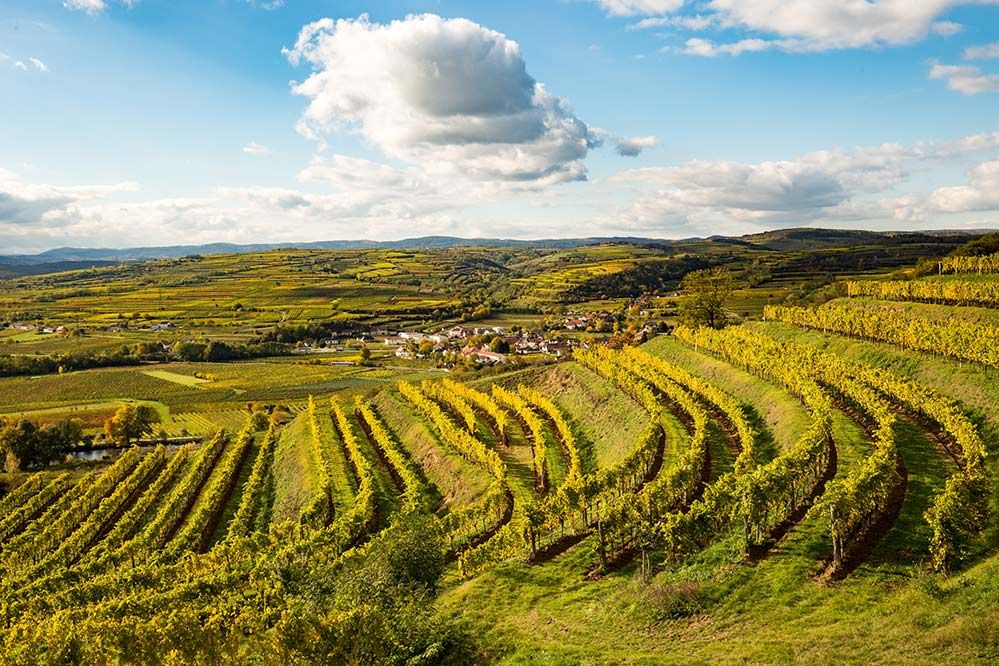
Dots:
pixel 62 259
pixel 815 483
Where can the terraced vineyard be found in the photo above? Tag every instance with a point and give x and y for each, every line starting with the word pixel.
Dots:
pixel 729 492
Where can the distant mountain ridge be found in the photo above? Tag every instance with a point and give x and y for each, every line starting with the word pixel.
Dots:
pixel 423 242
pixel 777 239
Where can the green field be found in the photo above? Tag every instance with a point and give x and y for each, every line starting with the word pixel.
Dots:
pixel 184 380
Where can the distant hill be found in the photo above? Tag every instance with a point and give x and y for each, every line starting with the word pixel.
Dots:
pixel 173 251
pixel 786 240
pixel 67 258
pixel 15 270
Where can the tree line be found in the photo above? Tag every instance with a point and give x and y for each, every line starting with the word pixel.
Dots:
pixel 212 351
pixel 27 444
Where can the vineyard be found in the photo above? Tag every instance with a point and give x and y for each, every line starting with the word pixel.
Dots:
pixel 752 475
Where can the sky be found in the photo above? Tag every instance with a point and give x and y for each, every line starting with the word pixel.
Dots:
pixel 159 122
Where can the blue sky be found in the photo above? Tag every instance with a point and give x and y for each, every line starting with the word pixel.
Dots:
pixel 154 122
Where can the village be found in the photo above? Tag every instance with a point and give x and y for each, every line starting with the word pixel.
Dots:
pixel 488 345
pixel 452 344
pixel 485 345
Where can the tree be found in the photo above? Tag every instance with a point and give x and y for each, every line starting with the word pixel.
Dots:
pixel 499 345
pixel 217 351
pixel 25 445
pixel 189 351
pixel 128 423
pixel 18 441
pixel 756 274
pixel 979 247
pixel 261 418
pixel 62 436
pixel 704 296
pixel 146 348
pixel 378 609
pixel 11 463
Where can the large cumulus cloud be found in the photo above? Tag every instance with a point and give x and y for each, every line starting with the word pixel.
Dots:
pixel 448 94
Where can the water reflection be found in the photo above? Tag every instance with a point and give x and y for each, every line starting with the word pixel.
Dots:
pixel 97 455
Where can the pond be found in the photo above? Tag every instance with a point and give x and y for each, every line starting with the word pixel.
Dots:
pixel 96 455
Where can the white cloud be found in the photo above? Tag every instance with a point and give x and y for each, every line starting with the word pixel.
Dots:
pixel 966 79
pixel 981 193
pixel 89 6
pixel 409 191
pixel 837 24
pixel 254 148
pixel 32 63
pixel 707 48
pixel 802 26
pixel 831 187
pixel 982 52
pixel 94 6
pixel 344 172
pixel 879 186
pixel 946 28
pixel 233 214
pixel 31 204
pixel 350 213
pixel 697 22
pixel 367 200
pixel 640 7
pixel 764 187
pixel 632 146
pixel 447 94
pixel 973 143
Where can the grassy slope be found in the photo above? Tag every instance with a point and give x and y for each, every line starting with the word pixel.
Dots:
pixel 519 460
pixel 975 388
pixel 237 494
pixel 606 421
pixel 555 458
pixel 342 474
pixel 889 612
pixel 387 492
pixel 939 313
pixel 294 471
pixel 927 468
pixel 182 401
pixel 458 481
pixel 183 380
pixel 782 413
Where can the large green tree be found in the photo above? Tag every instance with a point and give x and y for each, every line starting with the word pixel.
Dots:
pixel 704 295
pixel 129 422
pixel 26 445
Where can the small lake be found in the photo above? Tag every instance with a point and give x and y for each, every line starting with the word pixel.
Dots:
pixel 96 455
